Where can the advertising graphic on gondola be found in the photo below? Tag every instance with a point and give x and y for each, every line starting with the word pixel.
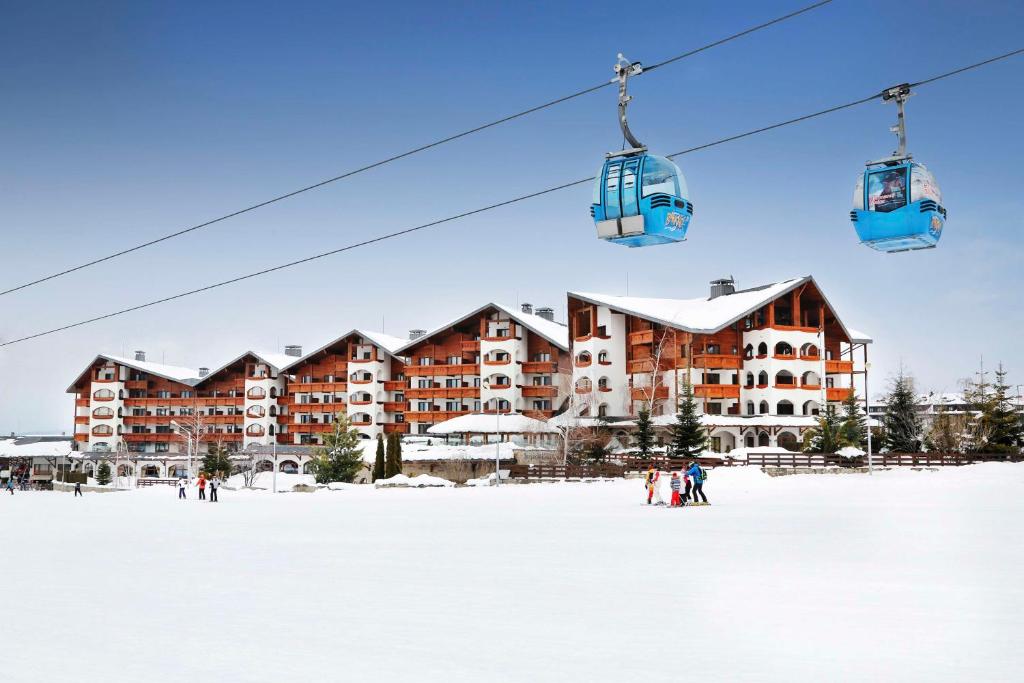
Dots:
pixel 887 190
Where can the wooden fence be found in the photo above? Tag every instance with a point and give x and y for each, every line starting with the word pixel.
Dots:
pixel 142 481
pixel 621 465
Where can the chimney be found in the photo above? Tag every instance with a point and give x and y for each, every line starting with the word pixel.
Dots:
pixel 527 308
pixel 416 334
pixel 140 355
pixel 546 313
pixel 203 372
pixel 723 286
pixel 293 350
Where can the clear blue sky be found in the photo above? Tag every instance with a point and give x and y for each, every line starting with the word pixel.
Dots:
pixel 125 120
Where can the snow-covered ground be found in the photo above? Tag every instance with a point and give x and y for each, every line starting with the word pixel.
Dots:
pixel 901 576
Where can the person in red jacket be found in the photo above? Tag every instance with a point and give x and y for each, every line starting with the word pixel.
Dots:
pixel 202 486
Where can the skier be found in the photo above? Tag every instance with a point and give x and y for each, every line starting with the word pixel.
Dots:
pixel 689 485
pixel 181 487
pixel 654 488
pixel 202 486
pixel 675 484
pixel 10 485
pixel 697 472
pixel 214 484
pixel 648 481
pixel 78 488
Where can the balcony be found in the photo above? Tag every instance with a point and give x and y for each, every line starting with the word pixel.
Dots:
pixel 311 428
pixel 153 437
pixel 642 337
pixel 318 387
pixel 811 387
pixel 394 406
pixel 539 391
pixel 503 361
pixel 784 356
pixel 838 367
pixel 777 385
pixel 396 427
pixel 540 367
pixel 136 384
pixel 717 360
pixel 332 408
pixel 81 402
pixel 809 358
pixel 716 390
pixel 471 346
pixel 644 393
pixel 836 393
pixel 363 380
pixel 442 370
pixel 443 392
pixel 395 385
pixel 84 419
pixel 364 360
pixel 432 415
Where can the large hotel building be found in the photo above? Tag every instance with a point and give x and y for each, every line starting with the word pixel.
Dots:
pixel 762 363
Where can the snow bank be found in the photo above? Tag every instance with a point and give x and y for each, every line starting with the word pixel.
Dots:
pixel 265 480
pixel 419 481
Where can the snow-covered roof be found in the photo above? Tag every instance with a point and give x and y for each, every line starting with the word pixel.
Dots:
pixel 275 360
pixel 174 373
pixel 556 333
pixel 481 423
pixel 858 337
pixel 35 446
pixel 706 315
pixel 389 344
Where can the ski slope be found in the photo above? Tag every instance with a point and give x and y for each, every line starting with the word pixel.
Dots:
pixel 901 576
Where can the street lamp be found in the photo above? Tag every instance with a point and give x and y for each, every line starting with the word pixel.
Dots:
pixel 497 428
pixel 867 404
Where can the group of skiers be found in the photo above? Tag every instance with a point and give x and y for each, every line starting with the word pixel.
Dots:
pixel 202 483
pixel 19 482
pixel 693 478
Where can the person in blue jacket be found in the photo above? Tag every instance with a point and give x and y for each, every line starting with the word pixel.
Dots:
pixel 696 474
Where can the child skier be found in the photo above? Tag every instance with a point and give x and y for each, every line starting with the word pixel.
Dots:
pixel 676 485
pixel 202 486
pixel 689 485
pixel 654 489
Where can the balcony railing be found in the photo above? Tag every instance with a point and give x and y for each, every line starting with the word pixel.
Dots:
pixel 396 427
pixel 644 393
pixel 395 385
pixel 716 390
pixel 435 370
pixel 836 393
pixel 717 360
pixel 394 406
pixel 539 391
pixel 641 337
pixel 443 392
pixel 432 415
pixel 540 367
pixel 838 367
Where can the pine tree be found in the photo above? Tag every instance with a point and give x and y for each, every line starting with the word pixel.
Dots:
pixel 378 462
pixel 390 464
pixel 1005 425
pixel 980 405
pixel 828 436
pixel 216 461
pixel 946 434
pixel 854 423
pixel 688 436
pixel 902 424
pixel 398 453
pixel 644 432
pixel 340 458
pixel 103 476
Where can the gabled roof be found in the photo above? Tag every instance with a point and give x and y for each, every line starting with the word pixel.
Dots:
pixel 174 373
pixel 706 315
pixel 275 360
pixel 389 344
pixel 556 333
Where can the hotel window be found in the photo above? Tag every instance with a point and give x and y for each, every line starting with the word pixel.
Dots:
pixel 542 405
pixel 542 357
pixel 542 381
pixel 452 405
pixel 186 394
pixel 451 383
pixel 163 393
pixel 163 447
pixel 476 406
pixel 425 360
pixel 454 360
pixel 423 383
pixel 423 406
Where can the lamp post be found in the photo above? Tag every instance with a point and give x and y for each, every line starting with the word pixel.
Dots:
pixel 497 428
pixel 867 404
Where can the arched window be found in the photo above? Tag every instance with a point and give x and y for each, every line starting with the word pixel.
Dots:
pixel 809 351
pixel 750 441
pixel 583 359
pixel 288 467
pixel 762 350
pixel 787 440
pixel 255 411
pixel 102 430
pixel 602 384
pixel 762 379
pixel 784 408
pixel 362 377
pixel 271 430
pixel 785 378
pixel 583 385
pixel 811 408
pixel 307 468
pixel 273 392
pixel 762 439
pixel 602 358
pixel 103 413
pixel 763 408
pixel 103 395
pixel 750 380
pixel 273 410
pixel 602 410
pixel 810 380
pixel 256 393
pixel 360 398
pixel 750 407
pixel 254 430
pixel 748 351
pixel 783 349
pixel 500 382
